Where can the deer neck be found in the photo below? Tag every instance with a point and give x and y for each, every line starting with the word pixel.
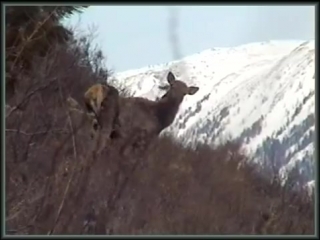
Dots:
pixel 167 109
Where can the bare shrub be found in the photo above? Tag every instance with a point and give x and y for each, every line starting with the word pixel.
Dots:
pixel 46 142
pixel 31 31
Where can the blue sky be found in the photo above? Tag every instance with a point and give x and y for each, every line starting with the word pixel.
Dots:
pixel 137 36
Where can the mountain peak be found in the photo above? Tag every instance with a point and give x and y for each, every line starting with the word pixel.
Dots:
pixel 261 94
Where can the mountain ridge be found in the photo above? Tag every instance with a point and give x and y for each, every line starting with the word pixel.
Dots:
pixel 261 94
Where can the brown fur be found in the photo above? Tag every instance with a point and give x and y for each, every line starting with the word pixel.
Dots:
pixel 140 118
pixel 135 120
pixel 98 97
pixel 94 97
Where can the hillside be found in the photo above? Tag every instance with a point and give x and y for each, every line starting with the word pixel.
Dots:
pixel 56 182
pixel 261 94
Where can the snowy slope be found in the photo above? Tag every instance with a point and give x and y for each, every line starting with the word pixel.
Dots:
pixel 261 94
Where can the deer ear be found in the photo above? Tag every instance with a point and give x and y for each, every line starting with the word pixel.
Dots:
pixel 171 78
pixel 192 90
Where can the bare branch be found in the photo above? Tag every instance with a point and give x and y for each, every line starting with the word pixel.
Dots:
pixel 36 133
pixel 29 38
pixel 29 95
pixel 75 155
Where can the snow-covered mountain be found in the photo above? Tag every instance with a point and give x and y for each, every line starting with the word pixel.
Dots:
pixel 262 94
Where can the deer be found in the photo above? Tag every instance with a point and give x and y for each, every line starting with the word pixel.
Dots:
pixel 101 97
pixel 141 119
pixel 102 110
pixel 94 99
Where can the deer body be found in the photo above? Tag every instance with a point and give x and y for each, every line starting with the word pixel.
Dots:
pixel 140 113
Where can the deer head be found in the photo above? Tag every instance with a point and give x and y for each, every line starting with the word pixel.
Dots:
pixel 168 104
pixel 176 88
